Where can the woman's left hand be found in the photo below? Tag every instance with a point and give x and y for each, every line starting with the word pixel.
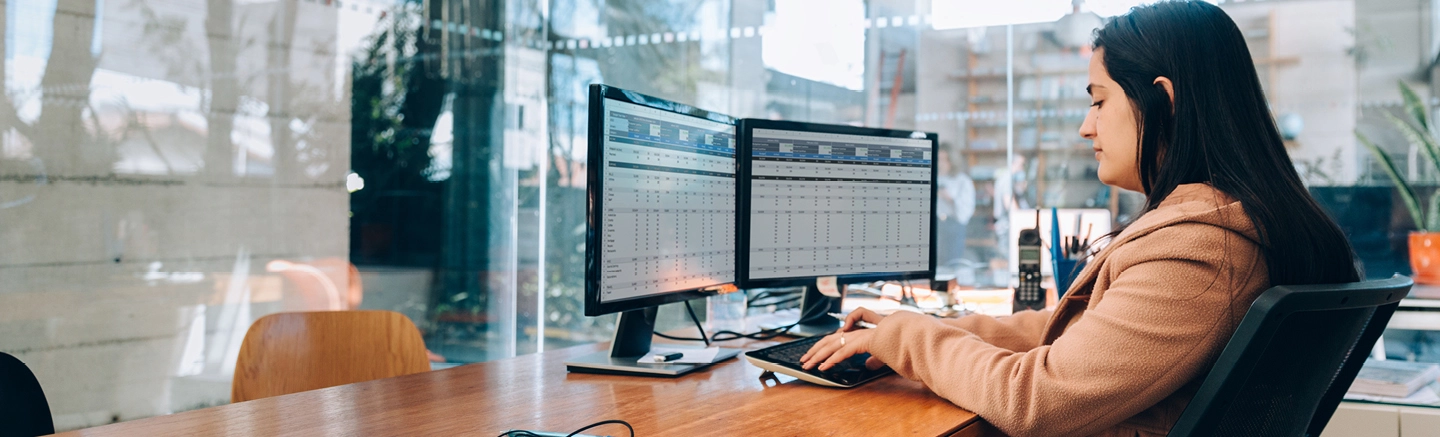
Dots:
pixel 839 346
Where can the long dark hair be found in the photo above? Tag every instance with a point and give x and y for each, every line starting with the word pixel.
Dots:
pixel 1220 132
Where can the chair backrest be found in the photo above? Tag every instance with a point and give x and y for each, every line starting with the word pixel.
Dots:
pixel 23 410
pixel 286 353
pixel 1291 359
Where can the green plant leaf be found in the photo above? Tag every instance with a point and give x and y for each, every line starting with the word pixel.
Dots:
pixel 1422 140
pixel 1432 216
pixel 1415 106
pixel 1405 192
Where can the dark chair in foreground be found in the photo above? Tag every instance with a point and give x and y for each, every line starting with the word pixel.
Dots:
pixel 23 410
pixel 1291 360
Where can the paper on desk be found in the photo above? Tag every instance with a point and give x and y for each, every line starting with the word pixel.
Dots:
pixel 1428 395
pixel 692 356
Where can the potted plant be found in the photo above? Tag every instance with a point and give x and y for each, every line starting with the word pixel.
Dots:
pixel 1419 130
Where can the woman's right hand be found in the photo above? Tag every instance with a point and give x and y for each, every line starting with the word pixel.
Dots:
pixel 833 349
pixel 860 315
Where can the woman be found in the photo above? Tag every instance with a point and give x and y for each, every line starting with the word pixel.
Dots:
pixel 1178 114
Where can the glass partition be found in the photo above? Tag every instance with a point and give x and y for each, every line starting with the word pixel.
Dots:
pixel 171 171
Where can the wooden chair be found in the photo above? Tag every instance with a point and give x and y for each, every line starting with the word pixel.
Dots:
pixel 286 353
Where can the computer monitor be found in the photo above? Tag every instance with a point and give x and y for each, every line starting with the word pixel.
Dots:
pixel 820 200
pixel 660 218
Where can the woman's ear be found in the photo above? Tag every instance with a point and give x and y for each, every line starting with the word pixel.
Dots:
pixel 1164 82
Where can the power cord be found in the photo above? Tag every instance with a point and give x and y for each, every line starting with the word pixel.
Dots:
pixel 764 334
pixel 690 310
pixel 774 302
pixel 780 298
pixel 525 433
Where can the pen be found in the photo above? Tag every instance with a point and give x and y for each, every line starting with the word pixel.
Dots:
pixel 667 357
pixel 861 323
pixel 1078 217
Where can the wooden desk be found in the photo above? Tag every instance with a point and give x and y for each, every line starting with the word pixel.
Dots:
pixel 534 392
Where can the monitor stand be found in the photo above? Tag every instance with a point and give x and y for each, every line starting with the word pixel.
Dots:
pixel 632 342
pixel 815 303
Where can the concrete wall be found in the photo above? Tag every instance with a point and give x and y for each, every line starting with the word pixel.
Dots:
pixel 1302 53
pixel 131 263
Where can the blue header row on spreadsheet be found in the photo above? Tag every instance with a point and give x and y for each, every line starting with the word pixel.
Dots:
pixel 773 144
pixel 671 169
pixel 813 179
pixel 715 135
pixel 843 158
pixel 677 145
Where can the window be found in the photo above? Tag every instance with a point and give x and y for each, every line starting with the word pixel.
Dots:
pixel 171 171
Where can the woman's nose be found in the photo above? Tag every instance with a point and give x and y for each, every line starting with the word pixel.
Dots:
pixel 1087 129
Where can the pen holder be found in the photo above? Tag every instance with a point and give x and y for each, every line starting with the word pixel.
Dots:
pixel 1065 273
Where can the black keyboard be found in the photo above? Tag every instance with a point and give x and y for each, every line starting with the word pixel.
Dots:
pixel 785 358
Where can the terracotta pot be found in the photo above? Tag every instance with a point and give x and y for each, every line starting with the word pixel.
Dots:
pixel 1425 257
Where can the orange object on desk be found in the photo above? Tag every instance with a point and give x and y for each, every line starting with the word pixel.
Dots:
pixel 1425 257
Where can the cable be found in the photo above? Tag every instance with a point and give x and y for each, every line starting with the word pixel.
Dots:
pixel 779 301
pixel 763 334
pixel 697 323
pixel 657 334
pixel 526 433
pixel 907 297
pixel 773 293
pixel 864 288
pixel 766 334
pixel 694 318
pixel 605 422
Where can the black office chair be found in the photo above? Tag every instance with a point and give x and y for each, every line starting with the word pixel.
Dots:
pixel 1291 360
pixel 23 410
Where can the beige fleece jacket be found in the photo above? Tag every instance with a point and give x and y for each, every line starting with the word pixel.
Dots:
pixel 1122 354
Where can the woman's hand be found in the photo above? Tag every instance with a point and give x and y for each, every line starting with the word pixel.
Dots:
pixel 852 320
pixel 846 343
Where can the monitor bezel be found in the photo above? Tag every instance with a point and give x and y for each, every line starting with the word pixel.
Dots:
pixel 594 233
pixel 743 133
